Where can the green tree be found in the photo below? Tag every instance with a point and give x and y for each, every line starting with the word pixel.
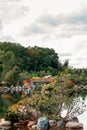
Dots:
pixel 12 76
pixel 57 97
pixel 19 52
pixel 6 62
pixel 42 59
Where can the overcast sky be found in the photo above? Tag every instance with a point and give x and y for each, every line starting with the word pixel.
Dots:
pixel 57 24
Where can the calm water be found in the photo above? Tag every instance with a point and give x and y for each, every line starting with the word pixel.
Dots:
pixel 6 101
pixel 83 117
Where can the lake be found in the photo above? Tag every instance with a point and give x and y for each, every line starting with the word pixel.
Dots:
pixel 83 117
pixel 8 98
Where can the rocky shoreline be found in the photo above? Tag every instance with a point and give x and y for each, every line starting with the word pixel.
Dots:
pixel 44 123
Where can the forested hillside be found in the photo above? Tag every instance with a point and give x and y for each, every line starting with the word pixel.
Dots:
pixel 18 62
pixel 15 59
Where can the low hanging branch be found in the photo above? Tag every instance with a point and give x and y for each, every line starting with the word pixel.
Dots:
pixel 75 108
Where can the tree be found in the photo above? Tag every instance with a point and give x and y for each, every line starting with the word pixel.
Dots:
pixel 19 52
pixel 7 60
pixel 56 97
pixel 41 59
pixel 12 76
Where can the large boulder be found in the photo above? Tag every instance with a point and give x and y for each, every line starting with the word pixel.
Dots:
pixel 74 125
pixel 43 123
pixel 4 123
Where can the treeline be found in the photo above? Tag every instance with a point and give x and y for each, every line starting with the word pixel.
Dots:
pixel 18 62
pixel 16 59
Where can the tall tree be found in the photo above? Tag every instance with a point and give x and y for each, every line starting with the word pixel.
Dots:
pixel 7 60
pixel 19 51
pixel 42 59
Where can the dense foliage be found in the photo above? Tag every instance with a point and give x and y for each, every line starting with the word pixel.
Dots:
pixel 51 100
pixel 16 60
pixel 19 63
pixel 26 60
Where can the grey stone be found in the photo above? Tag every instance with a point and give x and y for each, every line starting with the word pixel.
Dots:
pixel 61 123
pixel 43 123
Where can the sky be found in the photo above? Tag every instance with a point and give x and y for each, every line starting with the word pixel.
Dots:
pixel 57 24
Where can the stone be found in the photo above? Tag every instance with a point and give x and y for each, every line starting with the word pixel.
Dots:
pixel 31 123
pixel 52 123
pixel 74 119
pixel 34 127
pixel 43 123
pixel 5 127
pixel 74 125
pixel 4 123
pixel 61 123
pixel 23 122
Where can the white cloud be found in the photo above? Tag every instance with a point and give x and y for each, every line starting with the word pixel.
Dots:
pixel 61 25
pixel 12 10
pixel 1 25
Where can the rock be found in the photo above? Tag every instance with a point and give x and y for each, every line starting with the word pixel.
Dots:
pixel 23 122
pixel 74 119
pixel 43 123
pixel 34 127
pixel 74 125
pixel 31 123
pixel 61 123
pixel 4 123
pixel 16 124
pixel 52 123
pixel 5 127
